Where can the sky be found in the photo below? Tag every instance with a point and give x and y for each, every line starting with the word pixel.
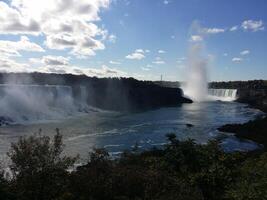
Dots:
pixel 143 39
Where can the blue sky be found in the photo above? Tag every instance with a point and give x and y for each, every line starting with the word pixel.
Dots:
pixel 139 38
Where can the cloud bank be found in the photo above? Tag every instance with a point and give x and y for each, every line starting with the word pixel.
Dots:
pixel 66 24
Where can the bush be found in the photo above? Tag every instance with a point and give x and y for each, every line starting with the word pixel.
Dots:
pixel 179 171
pixel 252 182
pixel 38 167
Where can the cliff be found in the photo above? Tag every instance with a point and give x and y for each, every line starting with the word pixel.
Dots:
pixel 253 93
pixel 119 94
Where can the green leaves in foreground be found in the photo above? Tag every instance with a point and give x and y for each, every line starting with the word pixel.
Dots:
pixel 179 171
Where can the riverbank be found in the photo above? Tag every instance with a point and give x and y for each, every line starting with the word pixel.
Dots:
pixel 255 130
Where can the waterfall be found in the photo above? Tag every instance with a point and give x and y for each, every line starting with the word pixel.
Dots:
pixel 223 94
pixel 27 103
pixel 83 98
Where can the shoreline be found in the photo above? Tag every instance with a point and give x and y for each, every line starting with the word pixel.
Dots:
pixel 254 130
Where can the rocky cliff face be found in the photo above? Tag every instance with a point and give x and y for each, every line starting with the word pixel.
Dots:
pixel 254 97
pixel 120 94
pixel 123 97
pixel 252 92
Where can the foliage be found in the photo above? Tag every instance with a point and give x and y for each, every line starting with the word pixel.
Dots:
pixel 179 171
pixel 38 167
pixel 252 183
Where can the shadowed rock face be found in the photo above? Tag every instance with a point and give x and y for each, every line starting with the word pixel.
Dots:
pixel 253 130
pixel 256 98
pixel 253 93
pixel 120 94
pixel 127 97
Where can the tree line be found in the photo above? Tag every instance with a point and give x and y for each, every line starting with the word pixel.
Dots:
pixel 180 170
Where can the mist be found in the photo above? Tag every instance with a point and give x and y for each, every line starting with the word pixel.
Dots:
pixel 20 103
pixel 196 84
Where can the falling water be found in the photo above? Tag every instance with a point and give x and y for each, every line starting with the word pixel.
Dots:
pixel 222 94
pixel 29 103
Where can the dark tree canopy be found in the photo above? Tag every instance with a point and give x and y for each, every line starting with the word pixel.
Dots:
pixel 182 170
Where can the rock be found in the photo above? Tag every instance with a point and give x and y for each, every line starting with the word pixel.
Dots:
pixel 5 121
pixel 119 94
pixel 253 130
pixel 189 125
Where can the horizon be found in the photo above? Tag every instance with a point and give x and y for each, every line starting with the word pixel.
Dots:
pixel 119 77
pixel 139 39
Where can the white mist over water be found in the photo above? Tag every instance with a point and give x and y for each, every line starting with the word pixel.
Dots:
pixel 30 103
pixel 196 85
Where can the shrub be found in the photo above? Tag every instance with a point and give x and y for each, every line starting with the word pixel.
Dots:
pixel 39 169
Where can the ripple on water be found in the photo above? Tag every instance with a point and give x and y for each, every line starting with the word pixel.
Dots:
pixel 118 132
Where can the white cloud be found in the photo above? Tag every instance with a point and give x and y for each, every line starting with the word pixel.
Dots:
pixel 212 30
pixel 12 48
pixel 139 51
pixel 166 2
pixel 104 71
pixel 233 28
pixel 51 60
pixel 225 54
pixel 251 25
pixel 9 65
pixel 147 51
pixel 237 60
pixel 196 38
pixel 112 38
pixel 158 61
pixel 161 51
pixel 245 52
pixel 55 60
pixel 146 68
pixel 59 64
pixel 114 62
pixel 65 24
pixel 13 22
pixel 137 55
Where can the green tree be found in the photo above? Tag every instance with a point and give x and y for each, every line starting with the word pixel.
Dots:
pixel 94 179
pixel 39 169
pixel 252 182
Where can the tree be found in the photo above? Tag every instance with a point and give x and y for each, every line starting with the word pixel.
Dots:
pixel 252 182
pixel 39 168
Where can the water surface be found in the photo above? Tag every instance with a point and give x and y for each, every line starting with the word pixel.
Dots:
pixel 117 132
